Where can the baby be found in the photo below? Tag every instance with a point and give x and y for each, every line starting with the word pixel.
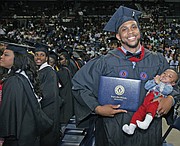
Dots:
pixel 159 87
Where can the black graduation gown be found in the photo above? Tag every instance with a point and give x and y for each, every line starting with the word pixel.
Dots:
pixel 20 113
pixel 50 104
pixel 85 89
pixel 67 109
pixel 72 66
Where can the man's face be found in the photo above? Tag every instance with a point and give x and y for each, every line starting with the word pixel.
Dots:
pixel 40 58
pixel 129 34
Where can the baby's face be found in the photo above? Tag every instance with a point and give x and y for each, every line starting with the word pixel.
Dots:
pixel 169 76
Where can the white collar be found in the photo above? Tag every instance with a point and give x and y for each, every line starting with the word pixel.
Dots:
pixel 44 65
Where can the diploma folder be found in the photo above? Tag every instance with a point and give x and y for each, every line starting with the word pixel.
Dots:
pixel 126 92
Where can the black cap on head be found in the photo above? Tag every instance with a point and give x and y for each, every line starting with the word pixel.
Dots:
pixel 122 15
pixel 53 55
pixel 41 47
pixel 65 54
pixel 69 49
pixel 17 48
pixel 62 50
pixel 112 40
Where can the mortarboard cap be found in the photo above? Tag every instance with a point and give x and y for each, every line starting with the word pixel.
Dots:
pixel 29 42
pixel 69 49
pixel 17 48
pixel 112 40
pixel 122 15
pixel 64 53
pixel 53 55
pixel 62 50
pixel 7 40
pixel 41 47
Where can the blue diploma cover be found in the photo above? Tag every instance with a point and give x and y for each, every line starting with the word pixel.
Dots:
pixel 121 91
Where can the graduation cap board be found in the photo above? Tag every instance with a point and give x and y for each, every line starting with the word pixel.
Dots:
pixel 62 50
pixel 112 40
pixel 53 55
pixel 21 49
pixel 41 47
pixel 123 14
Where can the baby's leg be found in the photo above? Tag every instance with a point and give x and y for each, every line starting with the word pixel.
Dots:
pixel 129 129
pixel 145 124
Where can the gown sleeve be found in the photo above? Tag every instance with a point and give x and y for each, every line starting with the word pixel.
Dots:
pixel 85 90
pixel 12 108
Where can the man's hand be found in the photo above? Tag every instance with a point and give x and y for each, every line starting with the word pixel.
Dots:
pixel 108 110
pixel 165 105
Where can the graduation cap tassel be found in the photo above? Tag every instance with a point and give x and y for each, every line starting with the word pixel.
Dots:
pixel 133 14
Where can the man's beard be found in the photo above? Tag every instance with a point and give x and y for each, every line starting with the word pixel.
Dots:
pixel 129 45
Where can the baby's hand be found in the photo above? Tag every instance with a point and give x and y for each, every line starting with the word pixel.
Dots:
pixel 157 79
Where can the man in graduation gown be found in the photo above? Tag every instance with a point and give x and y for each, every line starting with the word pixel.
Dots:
pixel 142 64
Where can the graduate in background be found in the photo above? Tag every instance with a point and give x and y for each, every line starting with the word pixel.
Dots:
pixel 22 120
pixel 51 101
pixel 64 75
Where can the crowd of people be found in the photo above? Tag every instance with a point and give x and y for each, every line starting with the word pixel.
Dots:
pixel 86 34
pixel 58 67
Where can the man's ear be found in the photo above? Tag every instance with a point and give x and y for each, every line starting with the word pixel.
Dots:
pixel 118 37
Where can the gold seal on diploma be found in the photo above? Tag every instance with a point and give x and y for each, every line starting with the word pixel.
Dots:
pixel 119 90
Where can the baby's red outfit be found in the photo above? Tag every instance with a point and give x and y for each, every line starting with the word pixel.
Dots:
pixel 147 107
